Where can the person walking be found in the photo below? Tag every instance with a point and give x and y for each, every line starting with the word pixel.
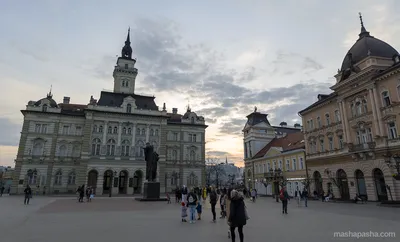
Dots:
pixel 192 203
pixel 184 193
pixel 28 194
pixel 2 191
pixel 253 195
pixel 284 197
pixel 237 215
pixel 305 196
pixel 213 202
pixel 228 209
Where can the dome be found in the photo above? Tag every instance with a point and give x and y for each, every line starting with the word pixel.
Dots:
pixel 47 100
pixel 366 46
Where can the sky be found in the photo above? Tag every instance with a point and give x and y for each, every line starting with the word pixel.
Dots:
pixel 223 57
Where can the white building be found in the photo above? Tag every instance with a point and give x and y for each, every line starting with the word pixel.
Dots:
pixel 101 144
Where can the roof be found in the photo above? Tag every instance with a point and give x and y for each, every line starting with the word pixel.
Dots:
pixel 289 142
pixel 112 99
pixel 174 118
pixel 321 99
pixel 256 118
pixel 53 103
pixel 72 109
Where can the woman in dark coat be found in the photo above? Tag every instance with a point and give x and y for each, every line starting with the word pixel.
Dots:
pixel 237 215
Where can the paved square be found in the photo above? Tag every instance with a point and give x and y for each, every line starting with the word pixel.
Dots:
pixel 52 219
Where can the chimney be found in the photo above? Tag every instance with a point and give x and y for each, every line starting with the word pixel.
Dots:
pixel 174 110
pixel 66 100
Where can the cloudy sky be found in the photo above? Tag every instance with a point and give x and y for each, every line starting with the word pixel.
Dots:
pixel 222 56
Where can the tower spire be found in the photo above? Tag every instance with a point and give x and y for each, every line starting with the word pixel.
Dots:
pixel 364 31
pixel 127 49
pixel 49 95
pixel 128 39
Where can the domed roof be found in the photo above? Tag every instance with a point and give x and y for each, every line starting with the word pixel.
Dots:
pixel 47 100
pixel 366 46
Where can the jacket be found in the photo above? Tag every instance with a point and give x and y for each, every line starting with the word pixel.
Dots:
pixel 285 195
pixel 194 197
pixel 237 215
pixel 228 208
pixel 213 197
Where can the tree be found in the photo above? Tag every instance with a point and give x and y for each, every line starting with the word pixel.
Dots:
pixel 214 171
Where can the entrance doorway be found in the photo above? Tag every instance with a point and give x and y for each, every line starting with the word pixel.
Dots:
pixel 123 182
pixel 92 179
pixel 318 182
pixel 137 182
pixel 107 183
pixel 343 184
pixel 380 185
pixel 360 180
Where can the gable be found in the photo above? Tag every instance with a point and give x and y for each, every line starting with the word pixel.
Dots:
pixel 273 151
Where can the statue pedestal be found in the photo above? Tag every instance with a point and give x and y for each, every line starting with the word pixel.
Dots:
pixel 151 192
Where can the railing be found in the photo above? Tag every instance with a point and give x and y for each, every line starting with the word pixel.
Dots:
pixel 362 147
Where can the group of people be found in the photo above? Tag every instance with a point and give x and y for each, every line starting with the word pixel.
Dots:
pixel 2 188
pixel 89 192
pixel 299 196
pixel 232 208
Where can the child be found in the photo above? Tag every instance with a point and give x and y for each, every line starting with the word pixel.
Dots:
pixel 184 212
pixel 168 198
pixel 198 208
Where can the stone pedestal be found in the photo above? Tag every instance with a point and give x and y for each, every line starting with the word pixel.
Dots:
pixel 151 192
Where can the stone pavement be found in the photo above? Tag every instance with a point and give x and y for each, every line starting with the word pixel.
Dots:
pixel 50 219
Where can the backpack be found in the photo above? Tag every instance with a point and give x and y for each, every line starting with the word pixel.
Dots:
pixel 281 195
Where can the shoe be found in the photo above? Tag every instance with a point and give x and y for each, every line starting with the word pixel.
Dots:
pixel 199 219
pixel 229 234
pixel 283 212
pixel 286 213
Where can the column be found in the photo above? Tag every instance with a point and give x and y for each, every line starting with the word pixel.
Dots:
pixel 133 134
pixel 343 121
pixel 119 133
pixel 374 112
pixel 105 132
pixel 379 115
pixel 147 132
pixel 346 121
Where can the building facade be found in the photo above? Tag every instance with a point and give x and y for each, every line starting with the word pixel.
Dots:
pixel 352 134
pixel 100 144
pixel 274 156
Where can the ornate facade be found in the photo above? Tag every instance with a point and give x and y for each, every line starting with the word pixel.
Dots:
pixel 100 144
pixel 351 134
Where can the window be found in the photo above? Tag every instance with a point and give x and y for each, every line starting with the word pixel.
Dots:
pixel 337 116
pixel 308 124
pixel 321 142
pixel 268 166
pixel 192 155
pixel 139 149
pixel 115 130
pixel 44 128
pixel 32 177
pixel 287 165
pixel 143 132
pixel 129 108
pixel 174 155
pixel 111 147
pixel 123 130
pixel 78 130
pixel 319 122
pixel 71 178
pixel 100 129
pixel 127 83
pixel 65 129
pixel 129 131
pixel 94 128
pixel 328 121
pixel 364 106
pixel 311 150
pixel 312 124
pixel 330 139
pixel 38 146
pixel 76 150
pixel 274 165
pixel 176 136
pixel 62 151
pixel 109 129
pixel 123 83
pixel 125 148
pixel 386 99
pixel 263 168
pixel 192 120
pixel 190 138
pixel 340 137
pixel 96 147
pixel 294 164
pixel 44 108
pixel 138 131
pixel 151 132
pixel 126 66
pixel 194 138
pixel 280 165
pixel 38 128
pixel 301 163
pixel 58 178
pixel 156 134
pixel 358 108
pixel 369 133
pixel 392 130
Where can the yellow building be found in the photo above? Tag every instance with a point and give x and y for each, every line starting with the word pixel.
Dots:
pixel 351 134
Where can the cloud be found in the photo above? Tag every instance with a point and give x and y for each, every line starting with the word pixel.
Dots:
pixel 216 153
pixel 289 63
pixel 10 132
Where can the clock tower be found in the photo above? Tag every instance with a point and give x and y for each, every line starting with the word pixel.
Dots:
pixel 125 72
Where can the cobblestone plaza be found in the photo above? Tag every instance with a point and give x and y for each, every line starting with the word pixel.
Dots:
pixel 49 219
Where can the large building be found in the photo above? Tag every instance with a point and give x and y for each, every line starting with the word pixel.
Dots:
pixel 273 155
pixel 352 133
pixel 100 144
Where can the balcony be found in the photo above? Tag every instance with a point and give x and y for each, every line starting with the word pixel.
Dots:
pixel 362 147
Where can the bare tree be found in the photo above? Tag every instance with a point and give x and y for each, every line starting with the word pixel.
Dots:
pixel 214 171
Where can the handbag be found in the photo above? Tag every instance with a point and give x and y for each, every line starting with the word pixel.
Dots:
pixel 246 214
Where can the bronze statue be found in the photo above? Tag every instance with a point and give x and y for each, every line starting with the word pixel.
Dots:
pixel 151 158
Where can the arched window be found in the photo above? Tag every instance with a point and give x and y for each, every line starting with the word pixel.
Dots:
pixel 386 99
pixel 358 108
pixel 139 149
pixel 337 116
pixel 129 131
pixel 62 151
pixel 32 177
pixel 44 108
pixel 192 180
pixel 58 178
pixel 123 83
pixel 319 122
pixel 143 132
pixel 327 118
pixel 110 147
pixel 127 83
pixel 109 130
pixel 123 130
pixel 94 128
pixel 364 106
pixel 192 120
pixel 76 150
pixel 101 129
pixel 138 131
pixel 174 154
pixel 38 146
pixel 156 134
pixel 125 148
pixel 151 132
pixel 71 178
pixel 115 130
pixel 96 146
pixel 192 155
pixel 129 108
